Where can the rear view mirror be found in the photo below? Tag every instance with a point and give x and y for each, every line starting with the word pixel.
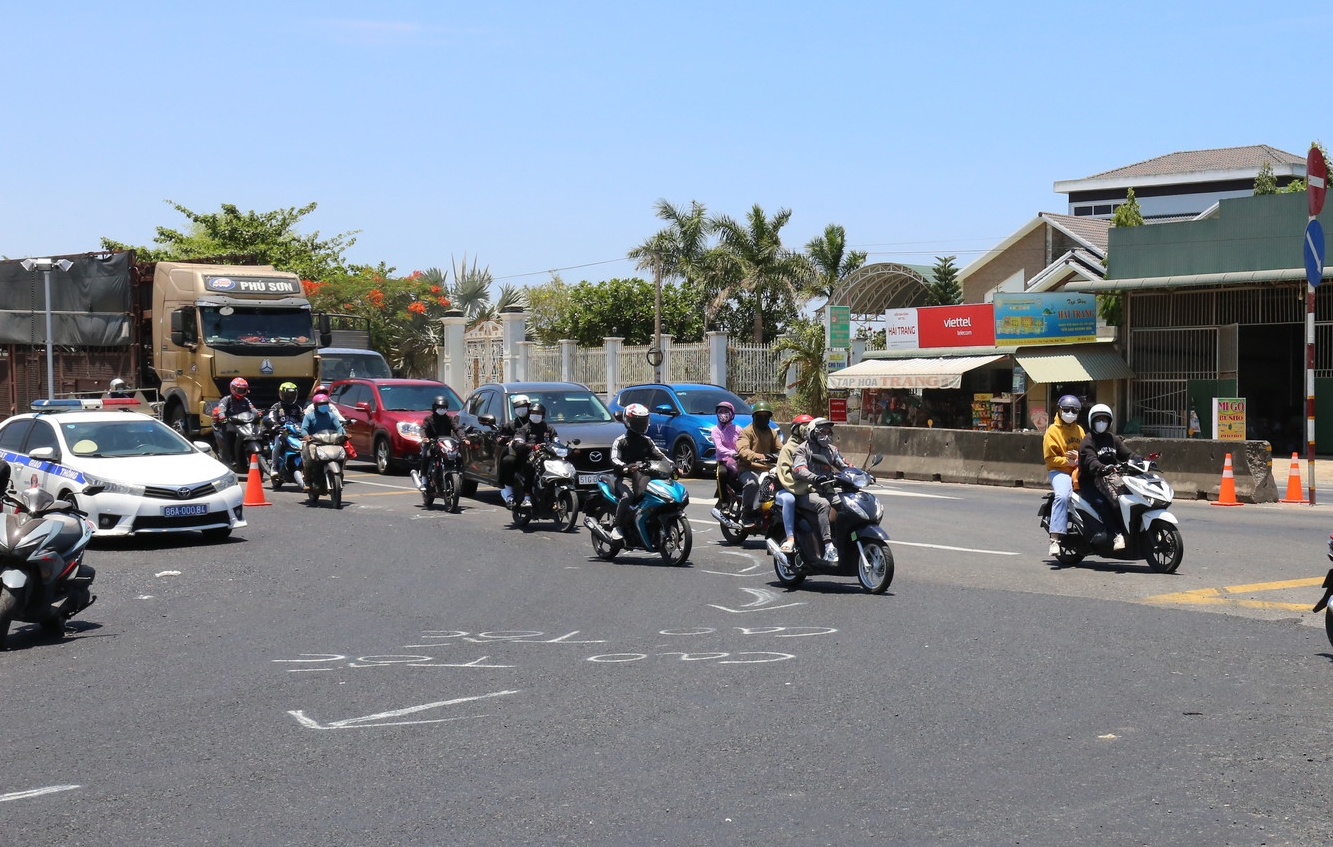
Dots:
pixel 93 490
pixel 665 409
pixel 486 420
pixel 879 457
pixel 203 447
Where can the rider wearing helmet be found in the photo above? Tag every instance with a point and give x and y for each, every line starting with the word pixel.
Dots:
pixel 118 389
pixel 438 424
pixel 323 388
pixel 725 438
pixel 629 453
pixel 758 451
pixel 786 460
pixel 286 410
pixel 816 458
pixel 504 434
pixel 320 418
pixel 1098 454
pixel 1060 448
pixel 535 431
pixel 236 402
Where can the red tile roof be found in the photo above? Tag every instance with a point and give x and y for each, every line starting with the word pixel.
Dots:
pixel 1250 158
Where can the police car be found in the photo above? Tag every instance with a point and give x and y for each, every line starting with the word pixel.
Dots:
pixel 152 479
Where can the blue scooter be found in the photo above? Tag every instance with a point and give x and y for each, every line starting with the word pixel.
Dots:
pixel 660 525
pixel 288 468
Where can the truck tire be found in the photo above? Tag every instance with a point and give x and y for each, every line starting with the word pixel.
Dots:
pixel 176 419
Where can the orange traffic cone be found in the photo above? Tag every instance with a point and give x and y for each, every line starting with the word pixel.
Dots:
pixel 1294 491
pixel 1227 495
pixel 254 485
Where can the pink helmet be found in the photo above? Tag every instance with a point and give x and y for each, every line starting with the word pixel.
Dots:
pixel 319 398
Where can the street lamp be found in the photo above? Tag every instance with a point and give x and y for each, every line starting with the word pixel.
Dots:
pixel 45 265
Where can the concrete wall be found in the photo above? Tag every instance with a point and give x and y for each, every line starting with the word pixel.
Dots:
pixel 1193 466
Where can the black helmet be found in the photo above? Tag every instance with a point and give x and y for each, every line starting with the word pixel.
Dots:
pixel 537 412
pixel 440 403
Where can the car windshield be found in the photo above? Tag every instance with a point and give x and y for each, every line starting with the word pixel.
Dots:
pixel 107 439
pixel 703 401
pixel 571 406
pixel 334 366
pixel 416 398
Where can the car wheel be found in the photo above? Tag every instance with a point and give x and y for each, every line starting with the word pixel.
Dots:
pixel 685 457
pixel 383 455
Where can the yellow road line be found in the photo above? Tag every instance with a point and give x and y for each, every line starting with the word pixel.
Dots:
pixel 1223 596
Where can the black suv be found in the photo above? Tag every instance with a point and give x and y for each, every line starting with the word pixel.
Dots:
pixel 573 409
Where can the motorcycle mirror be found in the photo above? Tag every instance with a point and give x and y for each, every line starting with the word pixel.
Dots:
pixel 879 457
pixel 574 443
pixel 94 490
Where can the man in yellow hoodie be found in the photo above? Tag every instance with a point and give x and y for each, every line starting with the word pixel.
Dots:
pixel 1060 447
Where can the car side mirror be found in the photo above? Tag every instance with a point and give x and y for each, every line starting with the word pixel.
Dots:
pixel 363 406
pixel 47 453
pixel 619 415
pixel 203 447
pixel 666 409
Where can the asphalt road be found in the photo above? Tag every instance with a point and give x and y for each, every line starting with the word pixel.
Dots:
pixel 383 675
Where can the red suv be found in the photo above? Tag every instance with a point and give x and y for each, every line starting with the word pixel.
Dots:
pixel 384 416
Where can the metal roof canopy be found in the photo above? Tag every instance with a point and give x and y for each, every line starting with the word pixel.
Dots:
pixel 1093 364
pixel 909 373
pixel 872 290
pixel 1229 278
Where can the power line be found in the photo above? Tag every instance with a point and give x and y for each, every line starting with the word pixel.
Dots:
pixel 557 270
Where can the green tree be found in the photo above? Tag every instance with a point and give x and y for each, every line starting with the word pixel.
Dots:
pixel 831 260
pixel 1265 182
pixel 623 308
pixel 945 289
pixel 1110 308
pixel 269 238
pixel 804 346
pixel 548 311
pixel 750 263
pixel 677 250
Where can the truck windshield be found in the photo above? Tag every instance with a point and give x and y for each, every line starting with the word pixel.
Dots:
pixel 255 325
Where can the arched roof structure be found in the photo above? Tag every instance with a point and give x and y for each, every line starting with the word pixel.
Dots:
pixel 871 290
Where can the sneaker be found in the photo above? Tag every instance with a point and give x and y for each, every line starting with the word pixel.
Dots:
pixel 830 553
pixel 527 502
pixel 788 546
pixel 1118 543
pixel 615 534
pixel 1055 547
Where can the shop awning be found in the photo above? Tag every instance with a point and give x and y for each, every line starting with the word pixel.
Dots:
pixel 1069 365
pixel 908 373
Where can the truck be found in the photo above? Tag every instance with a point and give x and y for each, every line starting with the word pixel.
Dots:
pixel 350 356
pixel 182 330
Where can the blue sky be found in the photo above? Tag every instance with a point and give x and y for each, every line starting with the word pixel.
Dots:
pixel 538 136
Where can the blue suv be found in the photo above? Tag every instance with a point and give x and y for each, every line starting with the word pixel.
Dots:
pixel 681 416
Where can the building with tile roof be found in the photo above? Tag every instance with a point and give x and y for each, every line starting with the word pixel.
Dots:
pixel 1043 255
pixel 1180 185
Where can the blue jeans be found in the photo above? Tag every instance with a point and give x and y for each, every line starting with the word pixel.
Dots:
pixel 787 501
pixel 1063 485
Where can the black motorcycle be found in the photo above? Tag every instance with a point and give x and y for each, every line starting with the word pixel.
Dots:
pixel 441 475
pixel 42 576
pixel 1322 605
pixel 548 477
pixel 246 437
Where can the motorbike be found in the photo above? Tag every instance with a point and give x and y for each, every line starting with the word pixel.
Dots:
pixel 1151 533
pixel 42 576
pixel 549 478
pixel 854 516
pixel 737 526
pixel 442 474
pixel 246 433
pixel 659 522
pixel 323 460
pixel 1322 605
pixel 288 469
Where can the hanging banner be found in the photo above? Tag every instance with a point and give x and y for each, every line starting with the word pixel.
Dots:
pixel 900 331
pixel 956 326
pixel 1049 318
pixel 838 320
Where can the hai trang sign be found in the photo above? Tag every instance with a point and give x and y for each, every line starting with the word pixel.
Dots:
pixel 939 326
pixel 1048 318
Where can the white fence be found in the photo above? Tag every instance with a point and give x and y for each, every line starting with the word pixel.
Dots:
pixel 755 369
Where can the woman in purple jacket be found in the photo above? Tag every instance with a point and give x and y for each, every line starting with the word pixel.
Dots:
pixel 725 435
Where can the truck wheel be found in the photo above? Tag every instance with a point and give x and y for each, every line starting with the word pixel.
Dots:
pixel 176 419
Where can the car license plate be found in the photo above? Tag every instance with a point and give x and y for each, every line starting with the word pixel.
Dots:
pixel 182 511
pixel 587 479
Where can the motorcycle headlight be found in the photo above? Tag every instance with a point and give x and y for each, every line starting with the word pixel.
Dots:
pixel 879 510
pixel 112 487
pixel 409 430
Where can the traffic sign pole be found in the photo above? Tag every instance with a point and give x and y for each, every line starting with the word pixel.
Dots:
pixel 1316 185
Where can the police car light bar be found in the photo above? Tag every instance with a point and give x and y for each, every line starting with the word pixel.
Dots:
pixel 84 405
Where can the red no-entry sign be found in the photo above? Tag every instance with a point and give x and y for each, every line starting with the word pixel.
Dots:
pixel 1316 179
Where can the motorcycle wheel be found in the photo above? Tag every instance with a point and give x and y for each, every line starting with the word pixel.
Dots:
pixel 1328 623
pixel 275 482
pixel 605 550
pixel 9 606
pixel 566 510
pixel 53 626
pixel 449 497
pixel 675 539
pixel 1068 557
pixel 733 537
pixel 1165 547
pixel 788 575
pixel 336 490
pixel 875 567
pixel 265 469
pixel 522 516
pixel 427 487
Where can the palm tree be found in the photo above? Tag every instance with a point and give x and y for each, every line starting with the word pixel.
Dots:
pixel 678 249
pixel 471 292
pixel 750 258
pixel 804 346
pixel 831 260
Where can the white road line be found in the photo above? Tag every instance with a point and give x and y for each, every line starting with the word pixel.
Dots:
pixel 897 492
pixel 36 792
pixel 954 549
pixel 387 485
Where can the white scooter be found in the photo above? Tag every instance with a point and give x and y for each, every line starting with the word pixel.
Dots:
pixel 1152 533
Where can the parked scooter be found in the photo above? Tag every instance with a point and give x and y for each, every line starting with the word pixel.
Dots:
pixel 324 458
pixel 735 524
pixel 548 477
pixel 42 576
pixel 441 475
pixel 288 469
pixel 659 522
pixel 1322 605
pixel 1151 533
pixel 245 431
pixel 854 516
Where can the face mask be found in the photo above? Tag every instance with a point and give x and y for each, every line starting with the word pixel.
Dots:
pixel 322 407
pixel 536 418
pixel 724 418
pixel 823 436
pixel 442 412
pixel 521 411
pixel 1101 426
pixel 1069 417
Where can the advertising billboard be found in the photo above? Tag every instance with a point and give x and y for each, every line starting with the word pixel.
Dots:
pixel 900 331
pixel 1047 318
pixel 956 326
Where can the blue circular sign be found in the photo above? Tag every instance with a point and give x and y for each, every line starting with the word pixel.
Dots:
pixel 1314 252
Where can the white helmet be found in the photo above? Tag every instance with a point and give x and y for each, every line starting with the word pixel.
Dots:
pixel 636 418
pixel 520 402
pixel 821 430
pixel 117 384
pixel 1101 410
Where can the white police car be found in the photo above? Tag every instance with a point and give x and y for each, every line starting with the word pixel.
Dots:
pixel 153 479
